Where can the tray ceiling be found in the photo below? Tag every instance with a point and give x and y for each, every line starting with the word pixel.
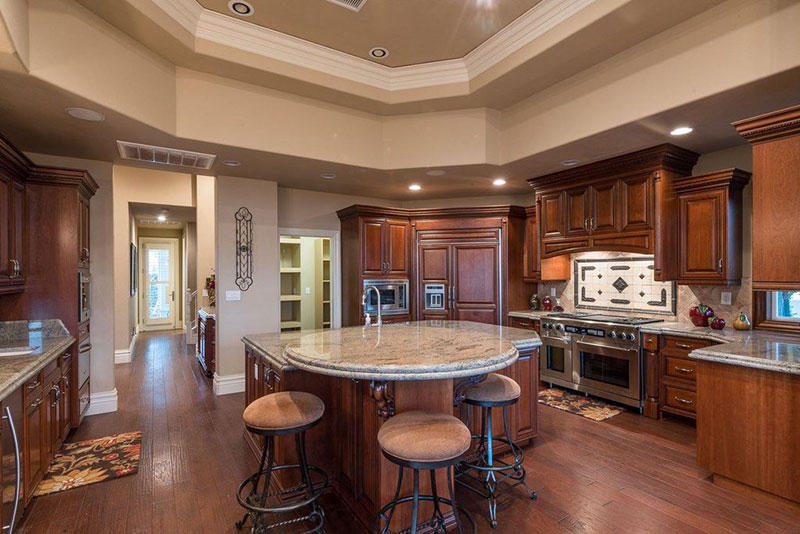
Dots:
pixel 414 31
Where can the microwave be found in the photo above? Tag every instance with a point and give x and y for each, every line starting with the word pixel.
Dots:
pixel 394 297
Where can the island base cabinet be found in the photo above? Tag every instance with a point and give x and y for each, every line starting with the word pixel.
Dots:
pixel 11 454
pixel 747 427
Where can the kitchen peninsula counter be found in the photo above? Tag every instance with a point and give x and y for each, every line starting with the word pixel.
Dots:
pixel 365 375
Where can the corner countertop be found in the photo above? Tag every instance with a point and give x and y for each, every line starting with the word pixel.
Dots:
pixel 50 339
pixel 529 314
pixel 758 349
pixel 207 312
pixel 424 350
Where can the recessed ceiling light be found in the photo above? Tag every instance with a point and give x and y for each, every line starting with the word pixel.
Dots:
pixel 681 130
pixel 378 52
pixel 85 114
pixel 569 162
pixel 436 172
pixel 415 187
pixel 328 175
pixel 499 181
pixel 232 163
pixel 241 8
pixel 162 218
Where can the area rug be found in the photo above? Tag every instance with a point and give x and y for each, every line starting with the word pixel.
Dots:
pixel 95 460
pixel 588 407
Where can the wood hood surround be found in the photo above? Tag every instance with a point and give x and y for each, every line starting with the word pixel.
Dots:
pixel 626 203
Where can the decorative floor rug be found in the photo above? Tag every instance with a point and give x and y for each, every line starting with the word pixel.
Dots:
pixel 95 460
pixel 576 403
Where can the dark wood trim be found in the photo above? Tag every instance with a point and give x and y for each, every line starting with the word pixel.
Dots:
pixel 770 126
pixel 761 322
pixel 13 160
pixel 362 210
pixel 732 178
pixel 61 176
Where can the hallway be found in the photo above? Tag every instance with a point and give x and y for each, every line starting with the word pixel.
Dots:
pixel 628 474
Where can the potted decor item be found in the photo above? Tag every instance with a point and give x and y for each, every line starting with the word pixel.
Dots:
pixel 700 315
pixel 534 302
pixel 742 322
pixel 718 323
pixel 211 284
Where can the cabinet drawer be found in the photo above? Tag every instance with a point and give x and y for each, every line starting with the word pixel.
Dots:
pixel 680 399
pixel 650 342
pixel 34 384
pixel 680 347
pixel 519 322
pixel 680 368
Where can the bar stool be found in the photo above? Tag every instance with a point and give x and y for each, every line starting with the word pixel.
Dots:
pixel 497 391
pixel 421 440
pixel 279 414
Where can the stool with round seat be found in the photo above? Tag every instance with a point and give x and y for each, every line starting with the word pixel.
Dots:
pixel 421 440
pixel 281 414
pixel 496 391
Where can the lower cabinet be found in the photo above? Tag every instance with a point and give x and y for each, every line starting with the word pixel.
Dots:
pixel 206 343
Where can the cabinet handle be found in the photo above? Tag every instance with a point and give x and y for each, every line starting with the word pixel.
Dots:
pixel 719 266
pixel 684 369
pixel 586 224
pixel 34 385
pixel 593 224
pixel 683 346
pixel 36 403
pixel 684 401
pixel 17 463
pixel 58 395
pixel 85 255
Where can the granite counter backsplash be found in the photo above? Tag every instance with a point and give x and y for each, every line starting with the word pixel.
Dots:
pixel 48 338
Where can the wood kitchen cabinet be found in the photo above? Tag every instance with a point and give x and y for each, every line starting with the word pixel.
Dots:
pixel 206 341
pixel 385 247
pixel 13 230
pixel 83 232
pixel 775 138
pixel 710 227
pixel 34 433
pixel 534 268
pixel 624 204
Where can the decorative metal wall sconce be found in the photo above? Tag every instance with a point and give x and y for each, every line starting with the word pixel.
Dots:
pixel 244 248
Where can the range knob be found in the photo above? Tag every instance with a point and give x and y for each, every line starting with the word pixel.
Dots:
pixel 612 334
pixel 546 326
pixel 559 327
pixel 630 337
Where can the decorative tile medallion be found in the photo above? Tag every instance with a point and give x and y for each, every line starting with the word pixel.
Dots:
pixel 622 284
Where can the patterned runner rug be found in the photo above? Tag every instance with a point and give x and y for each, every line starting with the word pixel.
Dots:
pixel 95 460
pixel 576 403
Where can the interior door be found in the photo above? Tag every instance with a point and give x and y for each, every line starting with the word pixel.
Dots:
pixel 475 277
pixel 160 280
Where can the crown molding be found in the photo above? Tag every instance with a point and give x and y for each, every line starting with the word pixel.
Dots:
pixel 222 29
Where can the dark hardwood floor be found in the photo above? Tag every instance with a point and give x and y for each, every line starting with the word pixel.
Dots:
pixel 628 474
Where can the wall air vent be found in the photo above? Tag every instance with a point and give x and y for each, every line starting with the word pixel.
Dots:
pixel 165 156
pixel 352 5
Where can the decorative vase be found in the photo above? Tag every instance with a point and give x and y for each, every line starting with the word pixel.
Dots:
pixel 547 303
pixel 742 322
pixel 534 302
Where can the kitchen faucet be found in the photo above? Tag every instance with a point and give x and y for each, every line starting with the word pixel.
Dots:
pixel 367 318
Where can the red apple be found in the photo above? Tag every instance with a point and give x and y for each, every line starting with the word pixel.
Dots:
pixel 718 323
pixel 700 314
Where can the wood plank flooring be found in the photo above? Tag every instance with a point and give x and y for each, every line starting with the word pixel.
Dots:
pixel 627 474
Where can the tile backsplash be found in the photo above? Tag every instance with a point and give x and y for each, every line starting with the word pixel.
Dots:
pixel 685 296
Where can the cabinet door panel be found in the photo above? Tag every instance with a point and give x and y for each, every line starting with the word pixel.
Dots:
pixel 701 233
pixel 551 214
pixel 372 242
pixel 33 453
pixel 530 260
pixel 5 230
pixel 525 425
pixel 433 263
pixel 636 194
pixel 475 283
pixel 577 208
pixel 397 243
pixel 604 208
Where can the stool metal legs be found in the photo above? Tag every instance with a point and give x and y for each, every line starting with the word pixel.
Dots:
pixel 496 471
pixel 262 503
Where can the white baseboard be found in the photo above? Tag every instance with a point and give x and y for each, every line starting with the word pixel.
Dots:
pixel 125 355
pixel 102 402
pixel 225 385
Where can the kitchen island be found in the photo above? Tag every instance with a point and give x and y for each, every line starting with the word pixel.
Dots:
pixel 748 414
pixel 366 375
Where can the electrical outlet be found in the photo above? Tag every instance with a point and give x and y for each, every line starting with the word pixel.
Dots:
pixel 233 295
pixel 308 291
pixel 552 292
pixel 725 298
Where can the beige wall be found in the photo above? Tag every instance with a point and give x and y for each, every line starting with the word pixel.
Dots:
pixel 258 309
pixel 132 184
pixel 206 232
pixel 102 305
pixel 191 255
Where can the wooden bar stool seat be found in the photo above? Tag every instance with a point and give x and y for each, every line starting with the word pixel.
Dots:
pixel 280 414
pixel 423 441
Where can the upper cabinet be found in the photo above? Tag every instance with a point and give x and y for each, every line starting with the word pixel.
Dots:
pixel 776 197
pixel 13 167
pixel 385 246
pixel 536 269
pixel 710 227
pixel 618 204
pixel 83 232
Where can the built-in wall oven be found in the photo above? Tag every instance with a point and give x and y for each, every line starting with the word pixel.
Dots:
pixel 393 297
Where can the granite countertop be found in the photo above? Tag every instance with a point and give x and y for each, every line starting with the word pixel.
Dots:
pixel 207 312
pixel 758 349
pixel 272 345
pixel 530 314
pixel 425 350
pixel 49 337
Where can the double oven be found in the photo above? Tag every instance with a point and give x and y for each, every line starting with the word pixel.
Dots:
pixel 595 354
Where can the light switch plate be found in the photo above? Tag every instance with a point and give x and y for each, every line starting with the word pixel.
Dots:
pixel 308 291
pixel 233 295
pixel 552 292
pixel 725 298
pixel 205 292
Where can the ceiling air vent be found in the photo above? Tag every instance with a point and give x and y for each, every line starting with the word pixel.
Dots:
pixel 165 156
pixel 352 5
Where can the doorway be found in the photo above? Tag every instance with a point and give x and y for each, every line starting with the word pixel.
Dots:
pixel 159 283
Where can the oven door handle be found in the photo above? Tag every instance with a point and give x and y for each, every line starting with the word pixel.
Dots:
pixel 85 348
pixel 608 347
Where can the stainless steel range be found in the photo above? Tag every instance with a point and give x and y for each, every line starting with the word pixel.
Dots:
pixel 594 353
